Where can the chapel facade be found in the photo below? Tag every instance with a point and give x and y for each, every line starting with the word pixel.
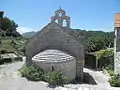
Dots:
pixel 55 48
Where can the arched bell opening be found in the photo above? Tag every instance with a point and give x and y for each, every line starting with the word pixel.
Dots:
pixel 64 23
pixel 56 20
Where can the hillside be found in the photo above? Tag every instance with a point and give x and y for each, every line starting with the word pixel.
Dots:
pixel 29 34
pixel 16 45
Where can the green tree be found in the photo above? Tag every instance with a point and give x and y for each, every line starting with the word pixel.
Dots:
pixel 8 27
pixel 95 44
pixel 94 40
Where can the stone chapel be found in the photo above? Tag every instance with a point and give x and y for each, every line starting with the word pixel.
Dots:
pixel 54 47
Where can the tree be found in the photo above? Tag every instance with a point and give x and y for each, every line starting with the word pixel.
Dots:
pixel 8 27
pixel 95 44
pixel 94 40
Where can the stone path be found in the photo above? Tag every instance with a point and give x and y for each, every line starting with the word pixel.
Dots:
pixel 99 77
pixel 10 80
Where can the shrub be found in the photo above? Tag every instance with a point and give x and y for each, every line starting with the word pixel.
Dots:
pixel 111 72
pixel 55 78
pixel 5 60
pixel 106 58
pixel 3 51
pixel 18 59
pixel 32 73
pixel 115 80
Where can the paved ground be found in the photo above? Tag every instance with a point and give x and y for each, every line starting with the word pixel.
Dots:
pixel 99 77
pixel 10 80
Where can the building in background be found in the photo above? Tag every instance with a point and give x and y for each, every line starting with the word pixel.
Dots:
pixel 117 44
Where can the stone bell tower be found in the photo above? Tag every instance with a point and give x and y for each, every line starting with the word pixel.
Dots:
pixel 60 17
pixel 117 44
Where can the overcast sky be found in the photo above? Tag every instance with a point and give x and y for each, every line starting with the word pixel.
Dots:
pixel 32 15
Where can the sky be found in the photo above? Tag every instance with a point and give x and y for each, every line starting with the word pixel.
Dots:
pixel 33 15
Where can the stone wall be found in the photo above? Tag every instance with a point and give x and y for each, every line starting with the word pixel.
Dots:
pixel 68 68
pixel 117 51
pixel 53 36
pixel 117 43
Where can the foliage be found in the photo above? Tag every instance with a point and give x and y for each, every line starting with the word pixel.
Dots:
pixel 111 72
pixel 115 80
pixel 94 44
pixel 31 73
pixel 34 74
pixel 55 78
pixel 94 40
pixel 8 27
pixel 10 59
pixel 7 60
pixel 18 59
pixel 13 45
pixel 106 58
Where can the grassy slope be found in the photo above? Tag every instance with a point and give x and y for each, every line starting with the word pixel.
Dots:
pixel 9 47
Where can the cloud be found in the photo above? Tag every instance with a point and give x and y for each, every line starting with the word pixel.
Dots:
pixel 22 30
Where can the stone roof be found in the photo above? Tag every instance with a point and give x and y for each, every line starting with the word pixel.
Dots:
pixel 52 55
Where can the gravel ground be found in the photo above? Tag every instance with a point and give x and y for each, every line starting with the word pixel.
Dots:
pixel 10 79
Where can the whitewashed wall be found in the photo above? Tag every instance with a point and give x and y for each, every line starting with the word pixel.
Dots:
pixel 68 68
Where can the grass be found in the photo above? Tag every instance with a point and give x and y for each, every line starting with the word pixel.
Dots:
pixel 6 45
pixel 12 45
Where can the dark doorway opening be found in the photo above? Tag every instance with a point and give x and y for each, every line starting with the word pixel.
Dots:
pixel 53 68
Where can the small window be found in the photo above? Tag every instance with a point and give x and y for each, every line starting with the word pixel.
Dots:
pixel 53 68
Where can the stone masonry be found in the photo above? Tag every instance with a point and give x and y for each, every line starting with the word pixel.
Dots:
pixel 55 36
pixel 117 44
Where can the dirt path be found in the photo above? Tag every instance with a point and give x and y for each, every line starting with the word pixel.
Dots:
pixel 10 79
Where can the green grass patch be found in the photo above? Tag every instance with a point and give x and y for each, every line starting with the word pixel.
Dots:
pixel 115 80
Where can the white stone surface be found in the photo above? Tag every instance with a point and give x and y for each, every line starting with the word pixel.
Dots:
pixel 9 80
pixel 52 55
pixel 58 60
pixel 117 62
pixel 117 51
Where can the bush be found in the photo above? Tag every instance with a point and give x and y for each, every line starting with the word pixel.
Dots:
pixel 32 73
pixel 115 80
pixel 55 78
pixel 6 60
pixel 3 51
pixel 106 58
pixel 18 59
pixel 111 73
